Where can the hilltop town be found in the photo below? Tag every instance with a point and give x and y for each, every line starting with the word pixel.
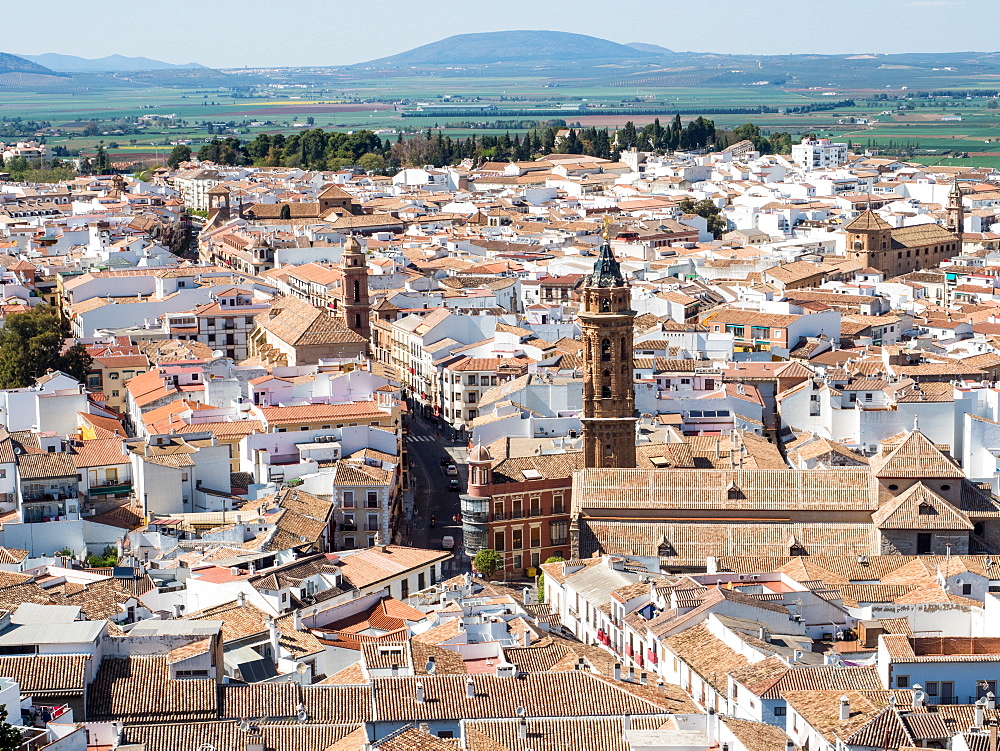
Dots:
pixel 696 450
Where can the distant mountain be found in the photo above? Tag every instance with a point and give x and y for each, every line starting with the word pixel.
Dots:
pixel 109 64
pixel 511 47
pixel 654 48
pixel 14 64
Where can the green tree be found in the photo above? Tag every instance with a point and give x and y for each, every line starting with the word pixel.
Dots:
pixel 31 344
pixel 371 162
pixel 707 209
pixel 108 557
pixel 10 737
pixel 180 153
pixel 102 164
pixel 286 211
pixel 487 562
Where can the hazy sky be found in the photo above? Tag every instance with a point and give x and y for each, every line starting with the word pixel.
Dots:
pixel 335 32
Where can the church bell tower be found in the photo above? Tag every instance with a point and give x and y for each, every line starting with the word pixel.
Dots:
pixel 357 310
pixel 956 213
pixel 607 321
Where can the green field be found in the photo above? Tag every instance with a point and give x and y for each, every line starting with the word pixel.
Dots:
pixel 342 103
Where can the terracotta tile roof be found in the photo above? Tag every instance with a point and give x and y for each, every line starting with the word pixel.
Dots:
pixel 314 412
pixel 227 736
pixel 298 323
pixel 46 465
pixel 363 568
pixel 100 452
pixel 771 678
pixel 706 654
pixel 915 456
pixel 41 675
pixel 919 507
pixel 121 692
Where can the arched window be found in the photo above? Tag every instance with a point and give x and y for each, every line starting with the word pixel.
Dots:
pixel 357 291
pixel 608 451
pixel 605 350
pixel 357 321
pixel 624 350
pixel 605 305
pixel 605 392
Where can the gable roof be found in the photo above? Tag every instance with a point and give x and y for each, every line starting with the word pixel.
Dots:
pixel 920 508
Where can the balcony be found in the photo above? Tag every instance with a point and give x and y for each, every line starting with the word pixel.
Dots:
pixel 109 488
pixel 348 528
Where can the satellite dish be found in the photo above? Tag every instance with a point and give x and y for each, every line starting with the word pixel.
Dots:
pixel 217 353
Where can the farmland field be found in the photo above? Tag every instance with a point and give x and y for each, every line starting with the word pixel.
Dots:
pixel 83 119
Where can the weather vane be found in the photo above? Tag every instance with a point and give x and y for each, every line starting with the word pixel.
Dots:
pixel 608 221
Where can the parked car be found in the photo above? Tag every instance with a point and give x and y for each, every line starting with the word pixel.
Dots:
pixel 451 470
pixel 446 460
pixel 447 542
pixel 454 485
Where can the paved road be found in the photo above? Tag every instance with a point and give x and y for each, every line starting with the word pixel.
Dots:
pixel 426 445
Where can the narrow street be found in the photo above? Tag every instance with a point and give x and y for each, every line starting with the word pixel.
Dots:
pixel 427 444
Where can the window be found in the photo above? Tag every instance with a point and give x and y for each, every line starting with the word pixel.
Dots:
pixel 114 392
pixel 348 499
pixel 349 542
pixel 902 681
pixel 966 589
pixel 209 321
pixel 536 537
pixel 931 687
pixel 372 522
pixel 517 540
pixel 372 499
pixel 779 711
pixel 946 487
pixel 113 376
pixel 868 397
pixel 498 541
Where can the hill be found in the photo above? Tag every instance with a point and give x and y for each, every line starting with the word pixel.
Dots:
pixel 654 48
pixel 109 64
pixel 511 47
pixel 14 64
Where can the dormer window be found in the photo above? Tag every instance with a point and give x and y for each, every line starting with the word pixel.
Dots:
pixel 926 509
pixel 734 493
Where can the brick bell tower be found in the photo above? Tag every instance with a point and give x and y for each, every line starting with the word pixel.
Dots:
pixel 357 310
pixel 607 321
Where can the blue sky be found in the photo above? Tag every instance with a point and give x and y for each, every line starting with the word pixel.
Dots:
pixel 335 32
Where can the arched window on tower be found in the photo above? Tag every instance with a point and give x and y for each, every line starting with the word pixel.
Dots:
pixel 605 350
pixel 357 291
pixel 605 305
pixel 608 450
pixel 624 350
pixel 606 384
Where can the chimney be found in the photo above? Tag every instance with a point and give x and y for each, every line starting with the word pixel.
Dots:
pixel 424 728
pixel 763 635
pixel 241 599
pixel 581 664
pixel 527 636
pixel 522 729
pixel 470 688
pixel 979 713
pixel 618 671
pixel 991 701
pixel 420 692
pixel 394 670
pixel 272 631
pixel 631 673
pixel 642 678
pixel 297 620
pixel 797 655
pixel 527 596
pixel 845 708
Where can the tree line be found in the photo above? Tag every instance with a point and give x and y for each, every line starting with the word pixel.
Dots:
pixel 318 149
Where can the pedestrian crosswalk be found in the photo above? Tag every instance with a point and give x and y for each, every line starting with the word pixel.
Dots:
pixel 420 438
